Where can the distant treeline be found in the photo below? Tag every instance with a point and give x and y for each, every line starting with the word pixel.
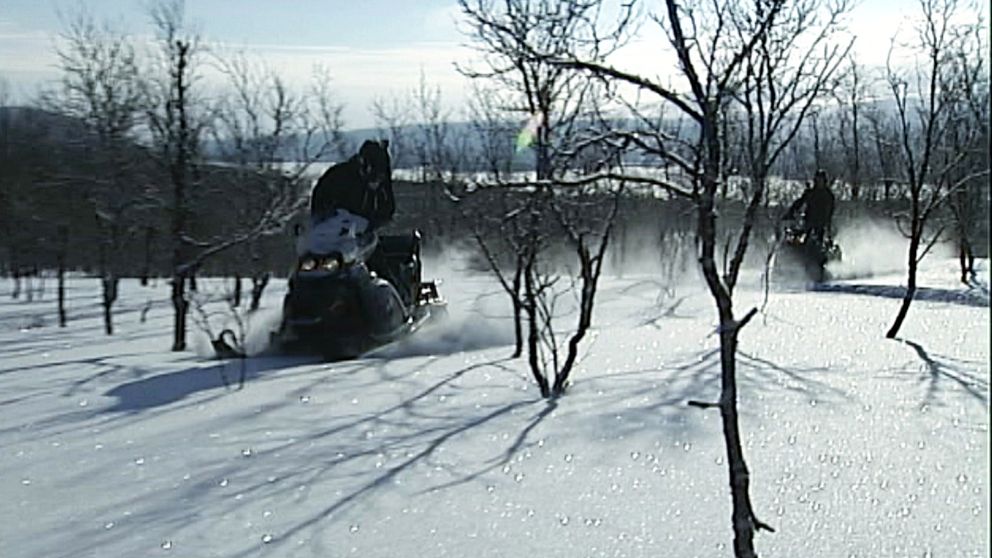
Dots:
pixel 49 163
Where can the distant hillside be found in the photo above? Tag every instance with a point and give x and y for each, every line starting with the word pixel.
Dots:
pixel 459 133
pixel 41 124
pixel 461 136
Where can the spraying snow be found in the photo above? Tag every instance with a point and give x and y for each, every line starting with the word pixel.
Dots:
pixel 869 248
pixel 473 322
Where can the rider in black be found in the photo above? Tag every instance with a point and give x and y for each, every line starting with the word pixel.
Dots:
pixel 362 185
pixel 817 205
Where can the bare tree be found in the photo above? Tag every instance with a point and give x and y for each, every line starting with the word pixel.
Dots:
pixel 503 33
pixel 179 120
pixel 417 127
pixel 790 68
pixel 714 44
pixel 965 91
pixel 101 87
pixel 507 229
pixel 393 117
pixel 924 103
pixel 535 284
pixel 559 107
pixel 850 93
pixel 590 246
pixel 273 136
pixel 493 132
pixel 431 139
pixel 885 143
pixel 176 132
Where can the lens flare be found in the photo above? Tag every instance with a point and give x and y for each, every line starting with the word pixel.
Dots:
pixel 528 134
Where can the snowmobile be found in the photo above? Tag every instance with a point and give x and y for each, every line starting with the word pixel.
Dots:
pixel 803 256
pixel 353 290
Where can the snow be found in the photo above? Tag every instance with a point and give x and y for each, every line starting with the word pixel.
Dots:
pixel 441 446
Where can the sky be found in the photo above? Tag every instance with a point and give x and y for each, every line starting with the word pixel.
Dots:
pixel 372 48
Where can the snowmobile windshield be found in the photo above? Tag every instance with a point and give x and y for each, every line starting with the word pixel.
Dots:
pixel 343 233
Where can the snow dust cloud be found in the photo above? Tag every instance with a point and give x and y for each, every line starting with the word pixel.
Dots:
pixel 472 322
pixel 871 247
pixel 254 333
pixel 665 253
pixel 261 325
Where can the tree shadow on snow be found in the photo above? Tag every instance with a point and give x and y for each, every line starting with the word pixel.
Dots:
pixel 388 474
pixel 940 368
pixel 519 443
pixel 970 297
pixel 413 433
pixel 658 398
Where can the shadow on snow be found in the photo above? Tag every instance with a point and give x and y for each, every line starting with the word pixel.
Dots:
pixel 970 297
pixel 939 368
pixel 164 389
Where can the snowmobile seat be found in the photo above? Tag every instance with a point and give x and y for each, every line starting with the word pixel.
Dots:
pixel 397 259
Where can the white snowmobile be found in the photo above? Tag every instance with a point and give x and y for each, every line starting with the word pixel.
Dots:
pixel 353 290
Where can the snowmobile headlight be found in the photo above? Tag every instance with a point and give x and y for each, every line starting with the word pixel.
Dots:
pixel 308 264
pixel 329 264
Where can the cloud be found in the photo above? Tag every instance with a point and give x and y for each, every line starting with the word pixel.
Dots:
pixel 361 75
pixel 25 51
pixel 443 21
pixel 27 61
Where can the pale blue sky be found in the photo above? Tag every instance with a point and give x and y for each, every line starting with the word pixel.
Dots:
pixel 371 47
pixel 360 23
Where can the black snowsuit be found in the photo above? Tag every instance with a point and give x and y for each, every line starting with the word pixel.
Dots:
pixel 362 185
pixel 817 204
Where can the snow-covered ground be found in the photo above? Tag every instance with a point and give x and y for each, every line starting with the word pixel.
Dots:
pixel 858 445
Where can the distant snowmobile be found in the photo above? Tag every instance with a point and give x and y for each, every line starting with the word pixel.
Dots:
pixel 353 290
pixel 804 256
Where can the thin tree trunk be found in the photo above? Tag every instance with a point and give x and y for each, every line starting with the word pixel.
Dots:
pixel 517 311
pixel 61 292
pixel 533 335
pixel 236 297
pixel 147 270
pixel 107 285
pixel 742 515
pixel 966 254
pixel 585 321
pixel 181 307
pixel 258 284
pixel 907 299
pixel 856 172
pixel 15 293
pixel 178 170
pixel 110 282
pixel 39 284
pixel 60 289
